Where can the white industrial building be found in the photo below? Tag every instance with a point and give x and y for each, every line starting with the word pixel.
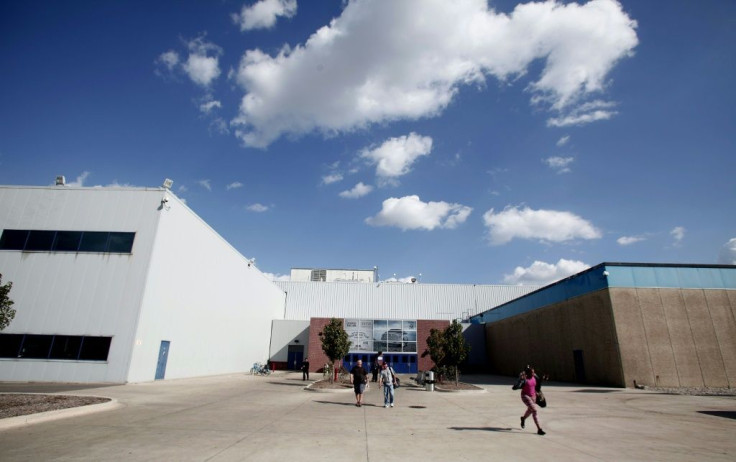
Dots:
pixel 125 285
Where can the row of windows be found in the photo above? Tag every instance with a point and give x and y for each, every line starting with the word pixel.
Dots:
pixel 66 241
pixel 71 347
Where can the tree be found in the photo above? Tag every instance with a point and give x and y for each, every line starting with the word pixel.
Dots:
pixel 335 342
pixel 7 313
pixel 455 348
pixel 448 349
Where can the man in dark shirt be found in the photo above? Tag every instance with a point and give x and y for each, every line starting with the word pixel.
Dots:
pixel 305 369
pixel 359 379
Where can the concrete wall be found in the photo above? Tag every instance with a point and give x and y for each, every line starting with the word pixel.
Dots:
pixel 676 337
pixel 285 333
pixel 547 337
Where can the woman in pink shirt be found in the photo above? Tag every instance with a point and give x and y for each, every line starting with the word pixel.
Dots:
pixel 528 384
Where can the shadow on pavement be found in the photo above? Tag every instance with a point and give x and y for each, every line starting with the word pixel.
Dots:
pixel 726 414
pixel 483 429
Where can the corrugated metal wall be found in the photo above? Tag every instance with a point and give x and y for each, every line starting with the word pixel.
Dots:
pixel 306 300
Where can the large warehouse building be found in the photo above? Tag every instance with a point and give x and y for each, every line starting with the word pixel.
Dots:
pixel 128 284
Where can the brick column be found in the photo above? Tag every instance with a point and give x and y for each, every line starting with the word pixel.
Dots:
pixel 424 362
pixel 317 357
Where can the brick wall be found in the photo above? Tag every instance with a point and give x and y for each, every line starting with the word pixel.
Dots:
pixel 317 357
pixel 424 362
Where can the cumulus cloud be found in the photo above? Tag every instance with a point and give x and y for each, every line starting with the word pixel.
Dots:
pixel 202 66
pixel 168 60
pixel 563 141
pixel 395 156
pixel 560 164
pixel 584 114
pixel 277 277
pixel 347 77
pixel 727 255
pixel 258 208
pixel 545 225
pixel 206 184
pixel 359 190
pixel 207 106
pixel 678 234
pixel 263 14
pixel 332 178
pixel 79 182
pixel 543 273
pixel 628 240
pixel 234 185
pixel 409 212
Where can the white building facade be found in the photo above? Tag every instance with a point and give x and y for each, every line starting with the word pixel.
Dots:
pixel 125 285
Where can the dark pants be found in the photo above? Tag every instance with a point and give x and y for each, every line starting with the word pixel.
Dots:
pixel 305 374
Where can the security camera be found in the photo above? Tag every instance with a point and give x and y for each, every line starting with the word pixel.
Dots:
pixel 165 200
pixel 606 273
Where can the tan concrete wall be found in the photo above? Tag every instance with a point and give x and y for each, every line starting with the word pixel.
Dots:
pixel 546 338
pixel 676 337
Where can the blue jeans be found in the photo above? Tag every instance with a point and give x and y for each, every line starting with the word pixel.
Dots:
pixel 388 394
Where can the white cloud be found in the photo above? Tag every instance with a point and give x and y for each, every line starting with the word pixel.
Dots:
pixel 206 184
pixel 678 234
pixel 183 189
pixel 628 240
pixel 208 106
pixel 410 212
pixel 563 141
pixel 277 277
pixel 545 273
pixel 263 14
pixel 584 114
pixel 359 190
pixel 202 65
pixel 559 163
pixel 258 208
pixel 395 156
pixel 347 76
pixel 545 225
pixel 234 185
pixel 727 255
pixel 79 182
pixel 332 178
pixel 169 60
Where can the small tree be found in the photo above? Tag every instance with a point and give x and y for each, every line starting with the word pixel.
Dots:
pixel 455 348
pixel 335 342
pixel 7 313
pixel 436 347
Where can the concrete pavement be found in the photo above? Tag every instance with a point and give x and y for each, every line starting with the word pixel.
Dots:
pixel 246 418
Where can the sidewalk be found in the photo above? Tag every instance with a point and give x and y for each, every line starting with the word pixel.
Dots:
pixel 241 417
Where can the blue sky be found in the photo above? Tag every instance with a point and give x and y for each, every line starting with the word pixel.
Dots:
pixel 480 142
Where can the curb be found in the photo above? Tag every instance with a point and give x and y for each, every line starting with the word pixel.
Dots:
pixel 48 416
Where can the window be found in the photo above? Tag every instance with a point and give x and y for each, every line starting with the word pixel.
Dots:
pixel 13 239
pixel 67 241
pixel 69 347
pixel 319 275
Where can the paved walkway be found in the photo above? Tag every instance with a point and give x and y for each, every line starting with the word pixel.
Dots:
pixel 245 418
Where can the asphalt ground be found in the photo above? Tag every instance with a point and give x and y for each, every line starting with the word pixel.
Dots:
pixel 273 418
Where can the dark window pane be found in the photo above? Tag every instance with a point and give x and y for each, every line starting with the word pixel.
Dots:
pixel 10 345
pixel 13 239
pixel 95 348
pixel 36 346
pixel 67 241
pixel 121 242
pixel 66 347
pixel 410 347
pixel 40 240
pixel 93 241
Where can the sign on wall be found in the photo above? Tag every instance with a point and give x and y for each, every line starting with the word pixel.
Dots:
pixel 382 335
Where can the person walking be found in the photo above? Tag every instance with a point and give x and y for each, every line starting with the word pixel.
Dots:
pixel 359 379
pixel 376 366
pixel 305 369
pixel 528 384
pixel 387 379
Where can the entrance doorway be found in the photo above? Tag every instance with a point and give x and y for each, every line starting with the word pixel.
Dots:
pixel 295 357
pixel 163 357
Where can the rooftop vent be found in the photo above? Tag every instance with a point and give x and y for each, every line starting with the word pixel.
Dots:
pixel 60 180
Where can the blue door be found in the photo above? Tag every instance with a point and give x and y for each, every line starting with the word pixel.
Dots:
pixel 294 360
pixel 163 356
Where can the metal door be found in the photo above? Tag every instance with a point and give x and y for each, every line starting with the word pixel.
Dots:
pixel 163 356
pixel 295 357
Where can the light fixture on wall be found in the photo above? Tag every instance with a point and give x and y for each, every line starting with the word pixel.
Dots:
pixel 168 183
